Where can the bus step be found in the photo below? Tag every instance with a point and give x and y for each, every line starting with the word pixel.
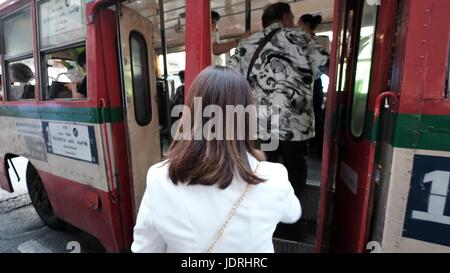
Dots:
pixel 285 246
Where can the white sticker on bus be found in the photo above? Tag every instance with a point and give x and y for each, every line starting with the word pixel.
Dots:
pixel 70 140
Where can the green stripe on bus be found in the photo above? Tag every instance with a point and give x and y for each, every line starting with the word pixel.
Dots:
pixel 84 115
pixel 425 132
pixel 410 131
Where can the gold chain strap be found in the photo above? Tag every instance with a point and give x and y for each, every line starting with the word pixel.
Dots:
pixel 230 215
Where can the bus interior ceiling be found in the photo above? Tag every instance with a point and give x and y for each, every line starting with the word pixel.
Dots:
pixel 289 238
pixel 232 12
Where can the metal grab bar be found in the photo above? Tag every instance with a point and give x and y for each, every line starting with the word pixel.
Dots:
pixel 110 175
pixel 373 145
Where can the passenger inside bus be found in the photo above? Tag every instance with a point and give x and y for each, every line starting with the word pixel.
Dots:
pixel 20 85
pixel 80 90
pixel 66 74
pixel 309 23
pixel 219 48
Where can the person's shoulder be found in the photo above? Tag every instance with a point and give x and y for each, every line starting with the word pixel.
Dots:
pixel 158 173
pixel 294 36
pixel 274 174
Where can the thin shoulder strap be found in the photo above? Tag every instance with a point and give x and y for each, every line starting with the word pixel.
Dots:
pixel 262 44
pixel 221 230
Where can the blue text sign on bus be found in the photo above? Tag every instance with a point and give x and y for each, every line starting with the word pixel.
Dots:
pixel 428 209
pixel 71 140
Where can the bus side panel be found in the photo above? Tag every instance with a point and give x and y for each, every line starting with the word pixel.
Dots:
pixel 82 206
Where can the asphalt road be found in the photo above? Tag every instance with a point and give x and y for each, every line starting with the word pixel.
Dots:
pixel 21 229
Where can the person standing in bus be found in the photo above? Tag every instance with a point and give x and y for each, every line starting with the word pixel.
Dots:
pixel 219 48
pixel 281 63
pixel 309 23
pixel 214 194
pixel 79 90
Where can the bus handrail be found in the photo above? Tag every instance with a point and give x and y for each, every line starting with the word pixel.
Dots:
pixel 110 178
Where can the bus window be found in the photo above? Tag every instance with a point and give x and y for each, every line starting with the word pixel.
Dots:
pixel 21 80
pixel 140 79
pixel 18 56
pixel 62 35
pixel 363 68
pixel 65 74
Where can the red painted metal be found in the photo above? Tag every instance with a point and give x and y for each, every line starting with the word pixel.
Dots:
pixel 424 60
pixel 198 39
pixel 76 204
pixel 351 209
pixel 328 142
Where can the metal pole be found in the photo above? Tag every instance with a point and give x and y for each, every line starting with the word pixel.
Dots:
pixel 198 39
pixel 164 54
pixel 248 15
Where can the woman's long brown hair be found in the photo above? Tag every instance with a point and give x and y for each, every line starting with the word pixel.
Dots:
pixel 215 162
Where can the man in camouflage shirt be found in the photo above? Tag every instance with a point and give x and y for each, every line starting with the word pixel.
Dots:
pixel 283 76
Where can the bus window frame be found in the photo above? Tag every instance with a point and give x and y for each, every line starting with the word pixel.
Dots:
pixel 43 77
pixel 44 70
pixel 354 64
pixel 18 57
pixel 147 69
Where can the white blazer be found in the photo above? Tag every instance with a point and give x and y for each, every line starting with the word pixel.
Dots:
pixel 182 218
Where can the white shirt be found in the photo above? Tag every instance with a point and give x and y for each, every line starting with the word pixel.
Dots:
pixel 183 218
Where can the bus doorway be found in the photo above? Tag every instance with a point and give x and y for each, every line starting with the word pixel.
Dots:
pixel 139 96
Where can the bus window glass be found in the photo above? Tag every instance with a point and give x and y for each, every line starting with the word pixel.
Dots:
pixel 363 69
pixel 21 80
pixel 61 22
pixel 140 79
pixel 65 74
pixel 18 34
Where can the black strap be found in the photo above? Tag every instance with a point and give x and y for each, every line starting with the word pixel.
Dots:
pixel 261 45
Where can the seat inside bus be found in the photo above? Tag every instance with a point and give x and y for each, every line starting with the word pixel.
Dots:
pixel 59 90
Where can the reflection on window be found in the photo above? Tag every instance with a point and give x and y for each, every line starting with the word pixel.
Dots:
pixel 17 34
pixel 363 69
pixel 21 80
pixel 61 22
pixel 66 74
pixel 345 49
pixel 140 79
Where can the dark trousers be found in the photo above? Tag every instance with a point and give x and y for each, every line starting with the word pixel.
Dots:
pixel 319 114
pixel 294 155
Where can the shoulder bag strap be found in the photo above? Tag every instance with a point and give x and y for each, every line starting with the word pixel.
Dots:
pixel 220 232
pixel 261 45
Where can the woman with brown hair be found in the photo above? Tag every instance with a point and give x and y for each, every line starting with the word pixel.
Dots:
pixel 214 195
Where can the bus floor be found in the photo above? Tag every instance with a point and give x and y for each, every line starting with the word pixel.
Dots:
pixel 300 237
